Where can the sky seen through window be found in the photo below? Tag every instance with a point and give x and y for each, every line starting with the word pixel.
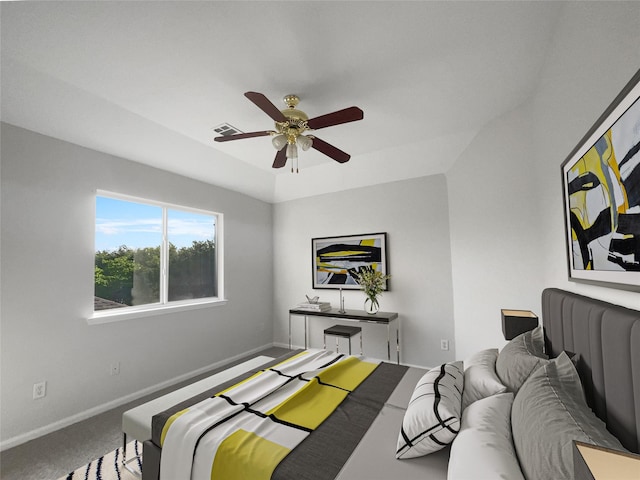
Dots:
pixel 120 222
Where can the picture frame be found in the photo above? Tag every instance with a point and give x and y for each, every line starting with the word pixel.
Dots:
pixel 335 260
pixel 601 195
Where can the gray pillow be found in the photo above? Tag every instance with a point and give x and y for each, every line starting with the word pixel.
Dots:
pixel 520 358
pixel 548 413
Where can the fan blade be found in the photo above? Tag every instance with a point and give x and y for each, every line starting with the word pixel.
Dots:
pixel 346 115
pixel 330 151
pixel 264 104
pixel 240 136
pixel 281 159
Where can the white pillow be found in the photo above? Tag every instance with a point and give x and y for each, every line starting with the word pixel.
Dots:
pixel 432 418
pixel 480 377
pixel 484 449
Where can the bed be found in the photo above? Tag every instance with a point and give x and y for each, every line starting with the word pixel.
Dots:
pixel 370 434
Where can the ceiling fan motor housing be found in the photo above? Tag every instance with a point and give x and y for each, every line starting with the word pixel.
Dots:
pixel 296 122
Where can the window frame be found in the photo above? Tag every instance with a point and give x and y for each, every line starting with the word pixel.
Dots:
pixel 164 306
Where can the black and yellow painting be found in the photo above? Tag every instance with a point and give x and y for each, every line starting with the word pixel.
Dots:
pixel 337 260
pixel 602 200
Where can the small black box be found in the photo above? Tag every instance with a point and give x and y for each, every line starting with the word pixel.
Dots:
pixel 515 322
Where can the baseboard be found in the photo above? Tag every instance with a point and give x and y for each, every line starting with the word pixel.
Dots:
pixel 78 417
pixel 286 345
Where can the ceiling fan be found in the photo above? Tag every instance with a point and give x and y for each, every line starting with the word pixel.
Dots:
pixel 291 123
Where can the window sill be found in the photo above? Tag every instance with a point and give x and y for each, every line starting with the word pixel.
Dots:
pixel 118 315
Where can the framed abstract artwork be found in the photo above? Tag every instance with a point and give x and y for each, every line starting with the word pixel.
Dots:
pixel 601 190
pixel 336 260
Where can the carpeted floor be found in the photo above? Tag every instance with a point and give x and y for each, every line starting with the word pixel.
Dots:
pixel 109 466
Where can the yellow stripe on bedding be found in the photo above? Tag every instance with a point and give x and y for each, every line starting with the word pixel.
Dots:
pixel 173 417
pixel 310 405
pixel 347 374
pixel 244 455
pixel 168 423
pixel 313 403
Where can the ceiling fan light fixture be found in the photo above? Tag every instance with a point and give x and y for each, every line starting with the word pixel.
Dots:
pixel 279 141
pixel 292 151
pixel 305 142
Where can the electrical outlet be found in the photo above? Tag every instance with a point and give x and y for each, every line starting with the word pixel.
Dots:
pixel 444 344
pixel 39 390
pixel 115 368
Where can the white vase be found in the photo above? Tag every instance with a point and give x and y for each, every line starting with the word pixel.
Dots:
pixel 371 306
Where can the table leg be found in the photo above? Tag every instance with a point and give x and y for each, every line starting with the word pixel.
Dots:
pixel 305 332
pixel 398 340
pixel 289 331
pixel 388 341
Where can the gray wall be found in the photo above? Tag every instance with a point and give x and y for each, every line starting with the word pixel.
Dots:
pixel 48 210
pixel 414 213
pixel 581 78
pixel 505 196
pixel 497 259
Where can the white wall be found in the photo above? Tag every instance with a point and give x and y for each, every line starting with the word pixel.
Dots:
pixel 496 254
pixel 48 210
pixel 505 197
pixel 414 214
pixel 598 51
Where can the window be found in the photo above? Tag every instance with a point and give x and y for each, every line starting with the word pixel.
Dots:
pixel 150 255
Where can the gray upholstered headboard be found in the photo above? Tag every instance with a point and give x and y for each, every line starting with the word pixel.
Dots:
pixel 607 339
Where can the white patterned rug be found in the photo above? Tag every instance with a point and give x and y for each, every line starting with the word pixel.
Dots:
pixel 109 466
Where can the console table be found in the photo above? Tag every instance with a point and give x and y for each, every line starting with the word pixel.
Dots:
pixel 381 318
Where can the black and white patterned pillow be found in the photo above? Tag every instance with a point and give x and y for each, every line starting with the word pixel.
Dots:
pixel 432 419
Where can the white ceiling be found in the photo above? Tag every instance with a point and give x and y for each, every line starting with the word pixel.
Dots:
pixel 149 80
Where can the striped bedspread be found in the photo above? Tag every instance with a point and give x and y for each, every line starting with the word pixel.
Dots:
pixel 245 431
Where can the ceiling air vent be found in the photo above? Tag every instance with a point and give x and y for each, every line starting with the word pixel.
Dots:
pixel 225 129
